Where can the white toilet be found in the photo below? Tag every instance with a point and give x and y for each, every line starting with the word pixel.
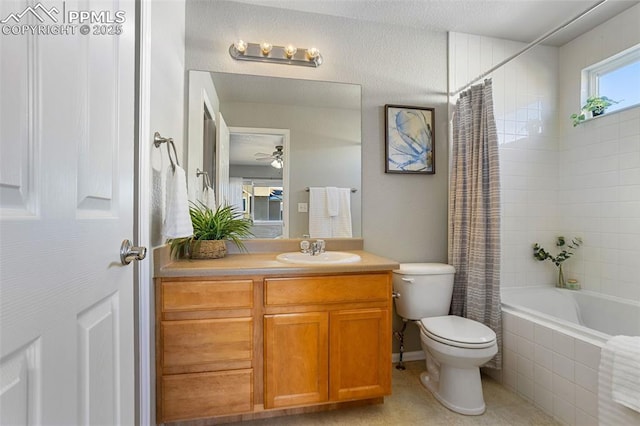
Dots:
pixel 455 347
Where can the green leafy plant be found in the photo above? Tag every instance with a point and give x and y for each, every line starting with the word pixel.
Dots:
pixel 541 254
pixel 596 105
pixel 225 223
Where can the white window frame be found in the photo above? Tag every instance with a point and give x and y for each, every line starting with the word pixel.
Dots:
pixel 591 75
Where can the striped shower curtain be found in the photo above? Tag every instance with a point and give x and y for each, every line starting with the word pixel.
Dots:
pixel 474 212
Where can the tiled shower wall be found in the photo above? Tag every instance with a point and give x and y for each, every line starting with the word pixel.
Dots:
pixel 525 106
pixel 557 179
pixel 599 168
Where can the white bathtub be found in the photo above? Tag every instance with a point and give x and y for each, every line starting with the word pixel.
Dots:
pixel 552 340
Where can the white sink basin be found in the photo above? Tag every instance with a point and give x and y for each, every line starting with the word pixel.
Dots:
pixel 326 258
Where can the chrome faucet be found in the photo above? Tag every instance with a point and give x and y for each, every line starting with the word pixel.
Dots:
pixel 313 248
pixel 317 247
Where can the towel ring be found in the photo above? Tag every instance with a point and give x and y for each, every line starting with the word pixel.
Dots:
pixel 207 182
pixel 159 140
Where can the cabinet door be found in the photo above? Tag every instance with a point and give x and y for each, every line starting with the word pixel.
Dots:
pixel 360 342
pixel 295 359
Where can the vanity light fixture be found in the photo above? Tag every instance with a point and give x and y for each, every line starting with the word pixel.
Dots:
pixel 312 53
pixel 266 52
pixel 240 47
pixel 266 48
pixel 290 50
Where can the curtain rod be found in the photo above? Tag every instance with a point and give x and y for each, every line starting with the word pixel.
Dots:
pixel 530 46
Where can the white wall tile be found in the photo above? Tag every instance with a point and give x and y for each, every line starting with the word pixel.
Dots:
pixel 563 344
pixel 563 366
pixel 586 377
pixel 525 387
pixel 583 419
pixel 586 401
pixel 510 379
pixel 564 411
pixel 563 388
pixel 543 399
pixel 543 336
pixel 543 377
pixel 543 357
pixel 525 348
pixel 525 367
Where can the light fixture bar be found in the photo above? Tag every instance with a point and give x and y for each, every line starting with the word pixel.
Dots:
pixel 288 55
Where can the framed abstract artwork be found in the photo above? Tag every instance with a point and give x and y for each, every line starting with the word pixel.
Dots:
pixel 409 140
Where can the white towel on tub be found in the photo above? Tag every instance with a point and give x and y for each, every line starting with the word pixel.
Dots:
pixel 625 381
pixel 619 382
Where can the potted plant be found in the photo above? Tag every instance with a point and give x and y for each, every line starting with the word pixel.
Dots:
pixel 541 254
pixel 211 230
pixel 595 105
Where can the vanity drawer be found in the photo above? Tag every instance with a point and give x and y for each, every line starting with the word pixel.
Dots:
pixel 201 395
pixel 206 295
pixel 327 289
pixel 206 342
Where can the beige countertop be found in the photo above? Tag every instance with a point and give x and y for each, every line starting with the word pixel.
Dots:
pixel 263 263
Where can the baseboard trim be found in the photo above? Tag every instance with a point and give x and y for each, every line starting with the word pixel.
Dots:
pixel 408 356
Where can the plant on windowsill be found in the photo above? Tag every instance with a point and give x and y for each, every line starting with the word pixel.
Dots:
pixel 541 254
pixel 595 105
pixel 211 230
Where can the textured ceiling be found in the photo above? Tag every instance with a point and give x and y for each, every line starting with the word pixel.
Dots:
pixel 519 20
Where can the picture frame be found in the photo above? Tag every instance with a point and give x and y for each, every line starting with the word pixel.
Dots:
pixel 409 140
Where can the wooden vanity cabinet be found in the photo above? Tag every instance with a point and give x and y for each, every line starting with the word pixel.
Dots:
pixel 237 347
pixel 327 339
pixel 205 335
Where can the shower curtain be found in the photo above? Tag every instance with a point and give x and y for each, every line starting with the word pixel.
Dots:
pixel 474 212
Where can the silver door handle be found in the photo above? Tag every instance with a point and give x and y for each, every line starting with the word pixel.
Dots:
pixel 129 252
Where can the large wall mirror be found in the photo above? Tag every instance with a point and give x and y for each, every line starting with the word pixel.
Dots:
pixel 262 142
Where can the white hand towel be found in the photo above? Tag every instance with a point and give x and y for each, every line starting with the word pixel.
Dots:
pixel 209 198
pixel 333 201
pixel 177 222
pixel 319 220
pixel 341 223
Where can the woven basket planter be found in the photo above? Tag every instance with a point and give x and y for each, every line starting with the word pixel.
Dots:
pixel 208 249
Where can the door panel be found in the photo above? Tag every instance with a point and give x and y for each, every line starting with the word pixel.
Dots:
pixel 360 354
pixel 66 204
pixel 296 359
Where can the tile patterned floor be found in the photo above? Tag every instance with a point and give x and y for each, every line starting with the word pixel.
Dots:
pixel 412 404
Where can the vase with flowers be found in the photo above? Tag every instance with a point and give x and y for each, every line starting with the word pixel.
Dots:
pixel 541 254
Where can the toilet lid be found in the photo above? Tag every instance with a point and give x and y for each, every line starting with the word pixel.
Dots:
pixel 458 331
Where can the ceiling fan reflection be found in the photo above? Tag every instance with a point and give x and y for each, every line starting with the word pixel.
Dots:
pixel 276 157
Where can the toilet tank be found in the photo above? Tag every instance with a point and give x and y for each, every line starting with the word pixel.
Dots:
pixel 424 289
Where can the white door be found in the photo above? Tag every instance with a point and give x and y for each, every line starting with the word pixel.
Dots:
pixel 66 204
pixel 222 160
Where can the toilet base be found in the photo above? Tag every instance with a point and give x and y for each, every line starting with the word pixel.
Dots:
pixel 473 406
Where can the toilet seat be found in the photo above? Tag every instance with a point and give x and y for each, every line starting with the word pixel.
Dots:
pixel 458 332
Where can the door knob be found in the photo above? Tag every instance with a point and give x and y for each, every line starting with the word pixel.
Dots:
pixel 129 252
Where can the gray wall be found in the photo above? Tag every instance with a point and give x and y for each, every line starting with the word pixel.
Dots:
pixel 404 217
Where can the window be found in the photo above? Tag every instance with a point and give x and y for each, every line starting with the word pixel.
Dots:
pixel 617 78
